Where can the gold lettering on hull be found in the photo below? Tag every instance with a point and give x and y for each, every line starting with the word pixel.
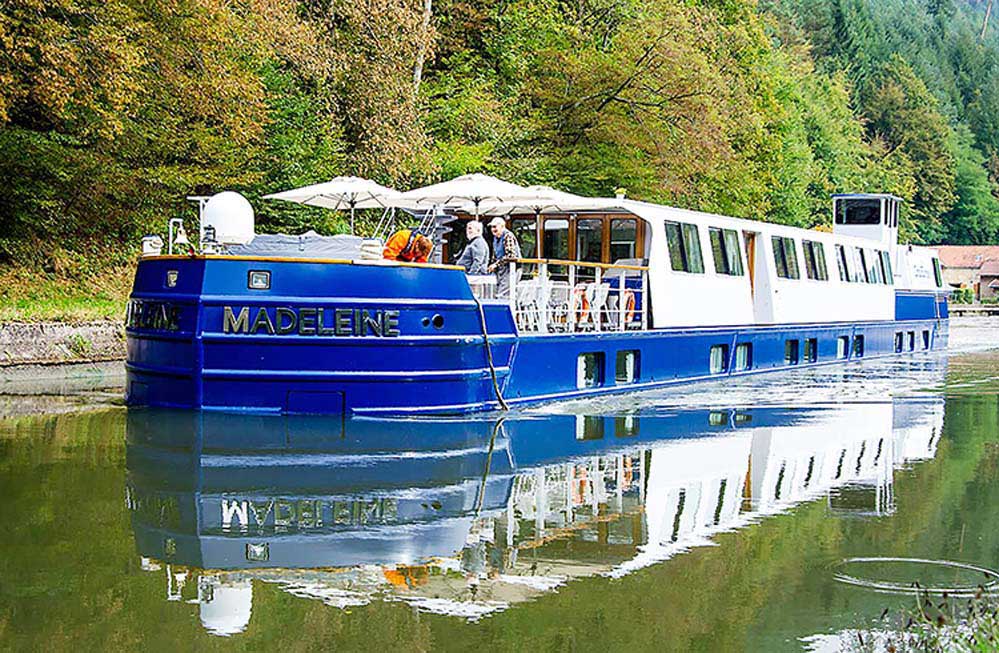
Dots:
pixel 308 321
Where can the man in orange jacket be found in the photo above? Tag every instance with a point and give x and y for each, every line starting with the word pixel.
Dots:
pixel 408 245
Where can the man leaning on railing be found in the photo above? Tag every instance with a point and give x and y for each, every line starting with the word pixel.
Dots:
pixel 506 249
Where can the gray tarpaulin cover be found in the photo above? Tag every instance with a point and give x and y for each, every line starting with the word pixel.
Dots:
pixel 308 245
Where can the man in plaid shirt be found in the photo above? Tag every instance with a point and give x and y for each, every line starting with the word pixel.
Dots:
pixel 505 249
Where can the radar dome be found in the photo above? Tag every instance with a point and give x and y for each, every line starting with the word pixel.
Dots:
pixel 231 215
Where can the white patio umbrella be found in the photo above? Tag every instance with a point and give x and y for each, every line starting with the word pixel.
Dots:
pixel 340 193
pixel 471 189
pixel 545 199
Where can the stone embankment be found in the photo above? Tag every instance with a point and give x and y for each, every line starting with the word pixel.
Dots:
pixel 59 342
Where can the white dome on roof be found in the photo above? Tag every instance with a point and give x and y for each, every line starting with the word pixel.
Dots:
pixel 231 215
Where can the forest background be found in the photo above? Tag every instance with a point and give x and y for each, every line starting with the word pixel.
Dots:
pixel 113 111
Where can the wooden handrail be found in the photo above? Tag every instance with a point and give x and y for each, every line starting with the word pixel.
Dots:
pixel 605 266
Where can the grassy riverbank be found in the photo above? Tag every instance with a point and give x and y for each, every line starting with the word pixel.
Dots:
pixel 33 296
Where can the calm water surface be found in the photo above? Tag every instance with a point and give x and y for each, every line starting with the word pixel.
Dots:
pixel 716 517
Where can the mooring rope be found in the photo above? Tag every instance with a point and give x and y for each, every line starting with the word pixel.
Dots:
pixel 489 462
pixel 489 353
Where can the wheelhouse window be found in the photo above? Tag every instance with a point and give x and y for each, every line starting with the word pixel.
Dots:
pixel 623 239
pixel 626 367
pixel 743 356
pixel 858 211
pixel 785 257
pixel 886 272
pixel 841 263
pixel 790 352
pixel 815 260
pixel 590 370
pixel 726 252
pixel 684 244
pixel 842 346
pixel 719 359
pixel 937 273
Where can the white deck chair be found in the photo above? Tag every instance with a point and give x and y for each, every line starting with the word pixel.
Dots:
pixel 559 293
pixel 596 295
pixel 527 304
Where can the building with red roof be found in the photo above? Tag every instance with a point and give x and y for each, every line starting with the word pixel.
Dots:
pixel 971 266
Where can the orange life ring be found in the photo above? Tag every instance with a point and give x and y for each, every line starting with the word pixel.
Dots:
pixel 629 306
pixel 582 307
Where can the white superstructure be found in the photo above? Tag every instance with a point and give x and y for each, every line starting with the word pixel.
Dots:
pixel 713 270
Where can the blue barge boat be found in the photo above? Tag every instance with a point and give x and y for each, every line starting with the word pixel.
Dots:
pixel 615 297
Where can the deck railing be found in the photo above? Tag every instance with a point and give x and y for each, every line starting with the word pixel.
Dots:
pixel 558 296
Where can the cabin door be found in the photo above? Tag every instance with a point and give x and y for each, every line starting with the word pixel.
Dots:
pixel 750 238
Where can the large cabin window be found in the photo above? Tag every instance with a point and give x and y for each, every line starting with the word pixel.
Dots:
pixel 841 263
pixel 858 268
pixel 526 230
pixel 785 257
pixel 623 239
pixel 815 260
pixel 858 211
pixel 886 272
pixel 684 247
pixel 555 244
pixel 589 240
pixel 871 258
pixel 725 251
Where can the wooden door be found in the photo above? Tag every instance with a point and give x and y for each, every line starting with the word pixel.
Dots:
pixel 750 238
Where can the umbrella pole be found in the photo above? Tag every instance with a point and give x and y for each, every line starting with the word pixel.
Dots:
pixel 352 218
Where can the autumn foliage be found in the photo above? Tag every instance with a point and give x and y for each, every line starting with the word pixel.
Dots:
pixel 112 112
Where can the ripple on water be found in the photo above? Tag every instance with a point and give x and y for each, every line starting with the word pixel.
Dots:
pixel 917 576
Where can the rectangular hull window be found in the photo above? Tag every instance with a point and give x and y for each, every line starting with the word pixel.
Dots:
pixel 590 370
pixel 626 367
pixel 589 427
pixel 811 350
pixel 858 346
pixel 842 346
pixel 898 341
pixel 743 356
pixel 926 339
pixel 910 339
pixel 790 352
pixel 719 359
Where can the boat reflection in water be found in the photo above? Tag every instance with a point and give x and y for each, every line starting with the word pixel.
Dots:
pixel 468 517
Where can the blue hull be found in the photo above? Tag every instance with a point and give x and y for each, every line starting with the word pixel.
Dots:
pixel 370 339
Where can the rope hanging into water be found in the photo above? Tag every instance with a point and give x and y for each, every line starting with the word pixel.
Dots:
pixel 489 354
pixel 489 463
